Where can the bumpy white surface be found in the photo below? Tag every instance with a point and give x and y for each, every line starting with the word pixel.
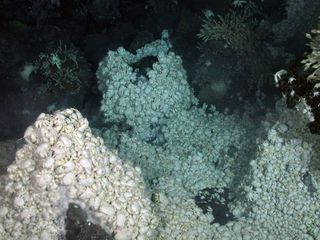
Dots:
pixel 275 200
pixel 281 194
pixel 216 136
pixel 144 102
pixel 200 150
pixel 180 218
pixel 63 162
pixel 276 196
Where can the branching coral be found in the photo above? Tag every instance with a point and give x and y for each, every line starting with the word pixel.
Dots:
pixel 64 69
pixel 235 29
pixel 235 44
pixel 312 60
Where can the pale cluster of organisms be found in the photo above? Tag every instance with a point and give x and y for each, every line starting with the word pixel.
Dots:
pixel 274 189
pixel 143 101
pixel 62 163
pixel 273 179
